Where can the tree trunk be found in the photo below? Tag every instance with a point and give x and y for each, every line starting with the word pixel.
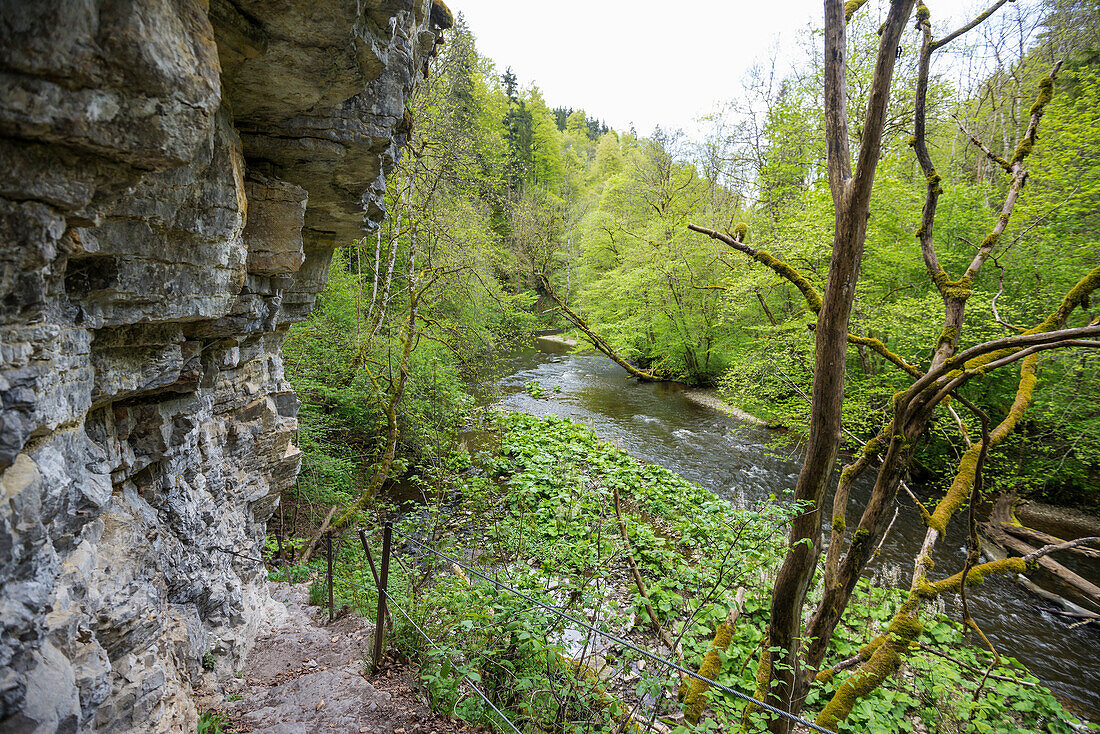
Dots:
pixel 851 196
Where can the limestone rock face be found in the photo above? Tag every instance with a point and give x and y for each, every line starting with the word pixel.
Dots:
pixel 174 175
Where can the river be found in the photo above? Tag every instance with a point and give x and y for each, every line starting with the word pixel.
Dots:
pixel 736 460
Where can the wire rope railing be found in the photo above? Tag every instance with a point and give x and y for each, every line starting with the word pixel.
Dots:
pixel 385 601
pixel 615 638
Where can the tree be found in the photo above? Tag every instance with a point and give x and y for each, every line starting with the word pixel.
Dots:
pixel 790 667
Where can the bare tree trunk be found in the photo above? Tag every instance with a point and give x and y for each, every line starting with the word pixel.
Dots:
pixel 852 197
pixel 391 259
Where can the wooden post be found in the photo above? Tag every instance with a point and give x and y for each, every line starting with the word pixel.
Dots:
pixel 370 556
pixel 383 580
pixel 331 606
pixel 374 572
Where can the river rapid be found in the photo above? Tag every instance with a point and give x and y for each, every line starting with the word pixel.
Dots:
pixel 738 461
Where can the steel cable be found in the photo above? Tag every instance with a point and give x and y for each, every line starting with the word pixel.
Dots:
pixel 621 641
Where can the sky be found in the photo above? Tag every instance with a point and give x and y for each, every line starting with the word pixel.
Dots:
pixel 639 62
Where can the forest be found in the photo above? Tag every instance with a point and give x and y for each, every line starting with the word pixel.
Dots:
pixel 888 254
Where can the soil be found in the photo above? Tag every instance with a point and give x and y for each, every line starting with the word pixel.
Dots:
pixel 308 675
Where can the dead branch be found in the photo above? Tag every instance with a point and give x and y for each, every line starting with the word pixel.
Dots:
pixel 972 669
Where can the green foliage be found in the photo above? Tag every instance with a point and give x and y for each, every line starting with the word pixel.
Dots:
pixel 548 531
pixel 212 722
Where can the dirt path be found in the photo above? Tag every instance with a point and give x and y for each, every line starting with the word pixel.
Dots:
pixel 306 675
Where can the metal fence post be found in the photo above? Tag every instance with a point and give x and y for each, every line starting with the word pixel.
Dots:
pixel 383 585
pixel 331 606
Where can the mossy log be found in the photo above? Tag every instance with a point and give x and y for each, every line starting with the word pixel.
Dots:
pixel 597 341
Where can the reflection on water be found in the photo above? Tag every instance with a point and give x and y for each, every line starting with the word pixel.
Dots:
pixel 733 459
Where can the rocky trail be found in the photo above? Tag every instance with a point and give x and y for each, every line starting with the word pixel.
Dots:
pixel 306 676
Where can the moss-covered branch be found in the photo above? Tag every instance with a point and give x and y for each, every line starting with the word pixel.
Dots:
pixel 880 349
pixel 595 338
pixel 851 7
pixel 697 689
pixel 802 283
pixel 765 258
pixel 888 650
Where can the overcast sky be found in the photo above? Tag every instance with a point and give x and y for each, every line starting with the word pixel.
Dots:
pixel 643 62
pixel 666 63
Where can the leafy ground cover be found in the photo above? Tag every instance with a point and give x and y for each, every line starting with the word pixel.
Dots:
pixel 536 511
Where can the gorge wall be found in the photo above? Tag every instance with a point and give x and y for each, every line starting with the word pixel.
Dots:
pixel 174 176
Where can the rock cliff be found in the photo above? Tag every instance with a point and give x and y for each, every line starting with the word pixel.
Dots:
pixel 174 175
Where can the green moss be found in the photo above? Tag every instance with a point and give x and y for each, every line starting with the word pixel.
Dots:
pixel 934 180
pixel 868 650
pixel 1046 93
pixel 1077 296
pixel 850 8
pixel 958 491
pixel 874 671
pixel 906 625
pixel 883 656
pixel 949 335
pixel 922 13
pixel 712 665
pixel 1023 150
pixel 839 522
pixel 960 289
pixel 741 232
pixel 813 300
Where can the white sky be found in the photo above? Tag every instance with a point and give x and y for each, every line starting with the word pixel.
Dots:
pixel 665 63
pixel 644 62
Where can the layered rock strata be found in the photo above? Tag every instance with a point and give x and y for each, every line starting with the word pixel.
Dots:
pixel 174 175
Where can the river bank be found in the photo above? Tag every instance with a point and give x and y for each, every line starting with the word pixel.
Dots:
pixel 745 463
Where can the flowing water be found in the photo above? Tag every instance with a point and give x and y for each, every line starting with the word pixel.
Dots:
pixel 657 423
